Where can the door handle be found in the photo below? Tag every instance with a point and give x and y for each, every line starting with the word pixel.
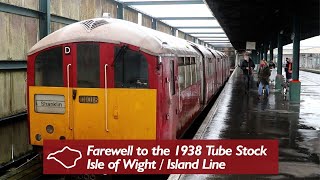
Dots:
pixel 74 94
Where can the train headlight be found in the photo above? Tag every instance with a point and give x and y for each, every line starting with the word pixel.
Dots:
pixel 38 137
pixel 50 129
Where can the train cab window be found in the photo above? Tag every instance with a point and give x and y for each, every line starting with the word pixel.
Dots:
pixel 193 70
pixel 48 68
pixel 88 60
pixel 172 82
pixel 130 69
pixel 181 70
pixel 188 71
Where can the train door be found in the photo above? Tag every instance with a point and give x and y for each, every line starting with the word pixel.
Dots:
pixel 88 98
pixel 201 67
pixel 170 84
pixel 127 111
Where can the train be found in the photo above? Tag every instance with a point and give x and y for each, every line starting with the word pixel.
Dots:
pixel 110 79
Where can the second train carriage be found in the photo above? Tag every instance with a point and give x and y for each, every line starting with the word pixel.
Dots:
pixel 107 78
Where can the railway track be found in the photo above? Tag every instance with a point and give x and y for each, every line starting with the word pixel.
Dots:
pixel 29 169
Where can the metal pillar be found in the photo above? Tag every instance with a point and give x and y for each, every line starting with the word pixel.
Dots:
pixel 119 10
pixel 271 52
pixel 265 51
pixel 279 78
pixel 45 18
pixel 154 24
pixel 295 85
pixel 173 32
pixel 253 56
pixel 261 53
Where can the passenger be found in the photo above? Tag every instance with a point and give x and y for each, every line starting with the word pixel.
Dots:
pixel 263 76
pixel 288 69
pixel 273 70
pixel 247 67
pixel 272 65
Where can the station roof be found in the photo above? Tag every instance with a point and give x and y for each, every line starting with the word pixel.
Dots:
pixel 260 20
pixel 192 17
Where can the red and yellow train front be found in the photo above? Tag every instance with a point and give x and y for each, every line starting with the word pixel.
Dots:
pixel 92 91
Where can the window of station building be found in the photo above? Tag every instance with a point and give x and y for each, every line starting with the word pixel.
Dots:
pixel 49 68
pixel 88 65
pixel 172 83
pixel 188 71
pixel 130 69
pixel 193 70
pixel 181 71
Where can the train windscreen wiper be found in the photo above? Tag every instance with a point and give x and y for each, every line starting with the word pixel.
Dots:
pixel 121 52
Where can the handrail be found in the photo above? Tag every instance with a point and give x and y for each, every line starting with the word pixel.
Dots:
pixel 68 81
pixel 106 95
pixel 26 93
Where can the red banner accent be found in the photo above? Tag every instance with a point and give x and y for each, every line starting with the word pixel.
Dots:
pixel 161 157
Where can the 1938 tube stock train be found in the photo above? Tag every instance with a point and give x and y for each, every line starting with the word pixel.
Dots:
pixel 110 79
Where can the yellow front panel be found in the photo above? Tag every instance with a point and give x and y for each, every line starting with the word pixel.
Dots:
pixel 62 123
pixel 131 114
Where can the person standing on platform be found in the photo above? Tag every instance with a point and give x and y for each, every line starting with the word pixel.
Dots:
pixel 273 70
pixel 247 67
pixel 288 69
pixel 272 65
pixel 263 76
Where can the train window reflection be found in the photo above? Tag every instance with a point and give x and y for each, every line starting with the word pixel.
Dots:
pixel 48 68
pixel 188 71
pixel 193 70
pixel 181 70
pixel 88 60
pixel 130 69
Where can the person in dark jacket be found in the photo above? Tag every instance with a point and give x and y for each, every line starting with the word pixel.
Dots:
pixel 247 67
pixel 263 76
pixel 288 69
pixel 272 65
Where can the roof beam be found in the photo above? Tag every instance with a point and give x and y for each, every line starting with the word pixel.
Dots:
pixel 143 3
pixel 205 32
pixel 205 37
pixel 198 27
pixel 6 65
pixel 186 18
pixel 216 40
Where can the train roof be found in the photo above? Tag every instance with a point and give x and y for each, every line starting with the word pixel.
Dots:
pixel 116 31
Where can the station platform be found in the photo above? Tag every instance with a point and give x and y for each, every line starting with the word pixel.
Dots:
pixel 236 115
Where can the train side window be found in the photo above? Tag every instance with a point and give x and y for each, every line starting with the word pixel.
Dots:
pixel 198 68
pixel 49 68
pixel 209 67
pixel 188 71
pixel 172 83
pixel 181 71
pixel 130 69
pixel 193 70
pixel 88 60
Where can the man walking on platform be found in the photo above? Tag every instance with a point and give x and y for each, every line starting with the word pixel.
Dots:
pixel 247 67
pixel 263 75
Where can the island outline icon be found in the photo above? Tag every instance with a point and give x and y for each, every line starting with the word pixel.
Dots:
pixel 52 156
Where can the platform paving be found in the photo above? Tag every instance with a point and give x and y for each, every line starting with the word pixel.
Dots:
pixel 237 115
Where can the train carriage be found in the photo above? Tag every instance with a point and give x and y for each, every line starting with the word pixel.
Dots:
pixel 106 78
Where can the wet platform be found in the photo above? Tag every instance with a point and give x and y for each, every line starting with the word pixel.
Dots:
pixel 236 115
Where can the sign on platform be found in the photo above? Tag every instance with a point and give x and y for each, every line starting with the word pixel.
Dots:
pixel 251 45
